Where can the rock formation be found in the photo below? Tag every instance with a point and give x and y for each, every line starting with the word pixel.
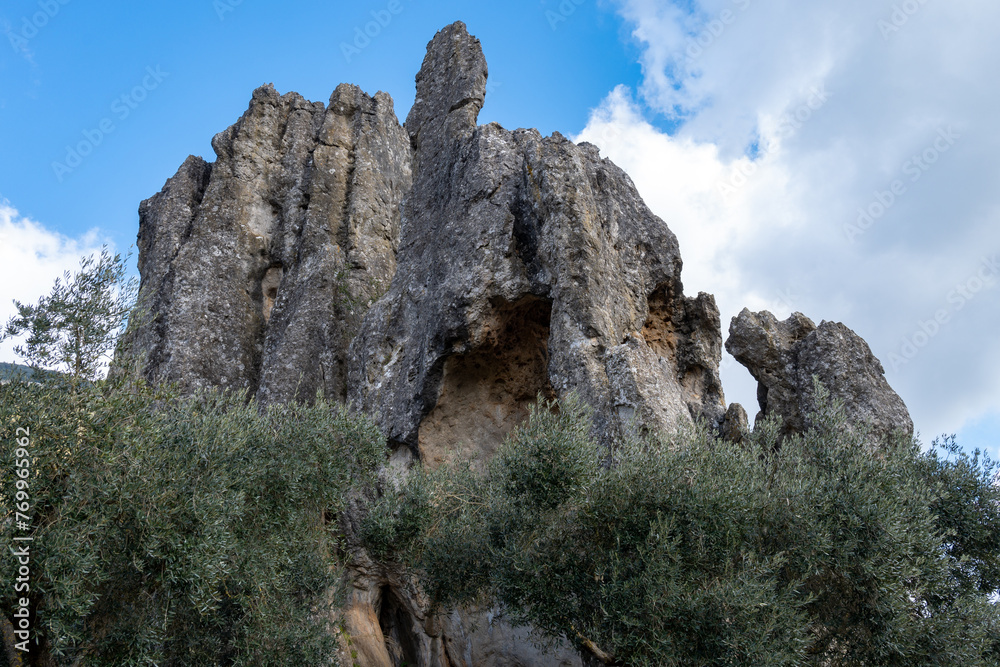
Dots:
pixel 785 356
pixel 388 618
pixel 527 266
pixel 256 269
pixel 440 277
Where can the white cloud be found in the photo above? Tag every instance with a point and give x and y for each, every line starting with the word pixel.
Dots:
pixel 31 258
pixel 836 110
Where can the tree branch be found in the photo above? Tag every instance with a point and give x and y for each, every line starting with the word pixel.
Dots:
pixel 594 649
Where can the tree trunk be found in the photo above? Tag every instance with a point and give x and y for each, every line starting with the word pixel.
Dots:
pixel 13 655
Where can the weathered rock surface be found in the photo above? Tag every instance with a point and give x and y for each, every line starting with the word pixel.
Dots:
pixel 735 424
pixel 784 356
pixel 256 269
pixel 527 266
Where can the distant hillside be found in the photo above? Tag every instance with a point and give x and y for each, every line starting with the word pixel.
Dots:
pixel 7 371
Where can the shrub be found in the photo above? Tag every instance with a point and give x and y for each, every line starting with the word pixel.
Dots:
pixel 685 550
pixel 180 531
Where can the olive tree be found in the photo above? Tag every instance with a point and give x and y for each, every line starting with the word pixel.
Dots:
pixel 165 529
pixel 681 549
pixel 178 530
pixel 74 328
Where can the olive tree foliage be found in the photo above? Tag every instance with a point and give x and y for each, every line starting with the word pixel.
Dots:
pixel 179 531
pixel 74 328
pixel 822 549
pixel 166 530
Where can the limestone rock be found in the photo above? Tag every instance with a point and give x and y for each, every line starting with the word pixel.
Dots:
pixel 735 424
pixel 256 269
pixel 527 266
pixel 784 356
pixel 441 276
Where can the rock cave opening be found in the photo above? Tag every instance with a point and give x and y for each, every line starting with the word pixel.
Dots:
pixel 397 631
pixel 269 289
pixel 486 392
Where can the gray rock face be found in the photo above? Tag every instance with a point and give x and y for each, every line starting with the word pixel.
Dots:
pixel 784 356
pixel 735 424
pixel 256 269
pixel 527 266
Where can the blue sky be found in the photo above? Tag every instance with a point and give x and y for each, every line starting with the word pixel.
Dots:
pixel 211 55
pixel 832 157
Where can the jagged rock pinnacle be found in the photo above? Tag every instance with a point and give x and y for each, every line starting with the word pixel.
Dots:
pixel 527 266
pixel 451 90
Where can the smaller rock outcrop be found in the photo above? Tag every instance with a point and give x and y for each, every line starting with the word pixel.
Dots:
pixel 785 356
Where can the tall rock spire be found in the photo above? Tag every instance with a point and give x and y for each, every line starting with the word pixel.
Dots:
pixel 256 269
pixel 451 90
